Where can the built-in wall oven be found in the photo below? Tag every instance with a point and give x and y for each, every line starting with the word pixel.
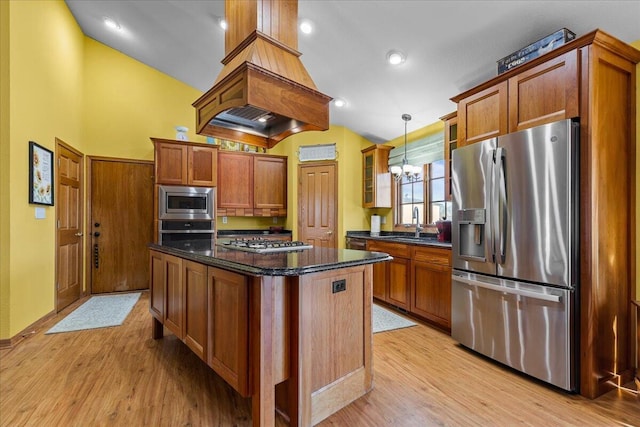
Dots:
pixel 186 217
pixel 186 203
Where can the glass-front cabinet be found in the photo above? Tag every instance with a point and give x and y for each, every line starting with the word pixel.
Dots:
pixel 450 144
pixel 376 179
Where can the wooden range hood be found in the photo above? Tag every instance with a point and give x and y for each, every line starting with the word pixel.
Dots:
pixel 262 78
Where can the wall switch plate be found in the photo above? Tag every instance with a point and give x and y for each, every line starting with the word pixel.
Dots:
pixel 41 213
pixel 383 220
pixel 224 219
pixel 338 286
pixel 275 219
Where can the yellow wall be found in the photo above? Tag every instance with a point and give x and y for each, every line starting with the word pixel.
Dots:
pixel 5 161
pixel 636 44
pixel 126 102
pixel 67 86
pixel 45 102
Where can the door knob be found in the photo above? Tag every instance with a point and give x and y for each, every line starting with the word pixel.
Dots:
pixel 96 234
pixel 329 232
pixel 79 234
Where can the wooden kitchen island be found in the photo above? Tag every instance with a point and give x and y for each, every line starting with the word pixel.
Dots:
pixel 291 330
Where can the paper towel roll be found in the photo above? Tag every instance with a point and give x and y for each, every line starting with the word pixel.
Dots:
pixel 375 225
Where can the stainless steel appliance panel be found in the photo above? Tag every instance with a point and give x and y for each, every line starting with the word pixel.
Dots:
pixel 188 241
pixel 528 327
pixel 535 209
pixel 186 203
pixel 471 228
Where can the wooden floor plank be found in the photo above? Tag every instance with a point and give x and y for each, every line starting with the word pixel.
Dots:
pixel 121 377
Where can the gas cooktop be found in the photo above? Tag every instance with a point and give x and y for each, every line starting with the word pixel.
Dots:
pixel 264 245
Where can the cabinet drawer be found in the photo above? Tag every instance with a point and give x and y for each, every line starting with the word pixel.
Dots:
pixel 432 255
pixel 396 250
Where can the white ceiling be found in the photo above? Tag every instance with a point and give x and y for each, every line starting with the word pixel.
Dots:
pixel 451 46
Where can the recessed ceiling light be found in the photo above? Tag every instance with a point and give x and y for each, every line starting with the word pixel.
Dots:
pixel 110 23
pixel 339 102
pixel 395 57
pixel 306 26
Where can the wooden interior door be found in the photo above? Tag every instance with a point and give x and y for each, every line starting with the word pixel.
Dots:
pixel 70 200
pixel 120 224
pixel 317 206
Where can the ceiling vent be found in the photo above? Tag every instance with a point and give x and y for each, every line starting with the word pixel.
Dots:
pixel 263 93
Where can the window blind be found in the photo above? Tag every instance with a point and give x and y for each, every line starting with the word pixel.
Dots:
pixel 420 152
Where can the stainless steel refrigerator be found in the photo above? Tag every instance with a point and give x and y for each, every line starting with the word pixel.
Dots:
pixel 515 250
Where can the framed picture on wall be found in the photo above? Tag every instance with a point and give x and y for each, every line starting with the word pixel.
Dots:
pixel 40 175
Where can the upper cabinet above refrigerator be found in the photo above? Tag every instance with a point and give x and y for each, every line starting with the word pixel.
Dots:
pixel 542 94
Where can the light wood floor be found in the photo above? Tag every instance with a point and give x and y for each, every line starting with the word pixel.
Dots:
pixel 121 377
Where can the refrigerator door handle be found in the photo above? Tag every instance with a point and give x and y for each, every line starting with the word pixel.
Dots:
pixel 498 288
pixel 502 204
pixel 491 210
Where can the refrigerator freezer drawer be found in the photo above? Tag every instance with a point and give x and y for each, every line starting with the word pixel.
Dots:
pixel 527 327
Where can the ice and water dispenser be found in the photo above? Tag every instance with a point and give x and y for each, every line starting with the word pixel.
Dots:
pixel 471 233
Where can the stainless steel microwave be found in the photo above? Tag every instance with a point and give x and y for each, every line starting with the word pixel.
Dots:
pixel 186 203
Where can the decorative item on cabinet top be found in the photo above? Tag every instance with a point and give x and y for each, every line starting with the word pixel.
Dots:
pixel 538 48
pixel 235 146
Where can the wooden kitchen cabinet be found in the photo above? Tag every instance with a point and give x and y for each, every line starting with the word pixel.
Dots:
pixel 593 78
pixel 450 144
pixel 228 334
pixel 391 279
pixel 185 163
pixel 376 179
pixel 269 183
pixel 544 94
pixel 431 285
pixel 174 299
pixel 195 299
pixel 418 279
pixel 235 182
pixel 208 309
pixel 538 95
pixel 179 299
pixel 157 285
pixel 483 115
pixel 166 299
pixel 251 184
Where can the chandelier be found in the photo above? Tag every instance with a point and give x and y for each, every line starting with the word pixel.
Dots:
pixel 408 171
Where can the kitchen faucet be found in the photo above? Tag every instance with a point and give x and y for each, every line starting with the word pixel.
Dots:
pixel 416 216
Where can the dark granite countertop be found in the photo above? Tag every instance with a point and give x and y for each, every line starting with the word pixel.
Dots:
pixel 279 263
pixel 425 239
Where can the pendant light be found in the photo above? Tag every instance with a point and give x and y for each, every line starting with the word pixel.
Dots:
pixel 406 170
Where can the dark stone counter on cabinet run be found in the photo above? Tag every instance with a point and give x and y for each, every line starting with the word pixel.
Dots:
pixel 294 263
pixel 400 237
